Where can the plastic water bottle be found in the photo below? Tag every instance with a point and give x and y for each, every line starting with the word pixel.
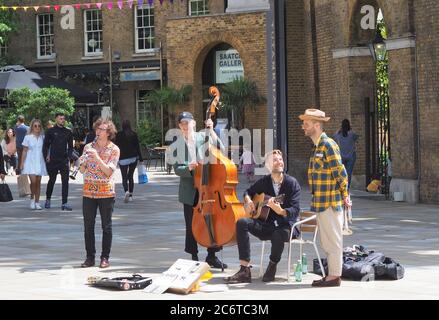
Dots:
pixel 298 271
pixel 304 264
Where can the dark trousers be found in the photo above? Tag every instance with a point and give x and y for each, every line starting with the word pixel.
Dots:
pixel 263 231
pixel 52 170
pixel 349 164
pixel 19 155
pixel 11 161
pixel 128 176
pixel 191 245
pixel 89 210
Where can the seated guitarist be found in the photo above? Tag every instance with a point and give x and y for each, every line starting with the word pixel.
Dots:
pixel 279 222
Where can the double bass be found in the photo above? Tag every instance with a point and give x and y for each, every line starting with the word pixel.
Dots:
pixel 218 208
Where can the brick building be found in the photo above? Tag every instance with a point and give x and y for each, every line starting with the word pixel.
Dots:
pixel 329 65
pixel 146 47
pixel 300 53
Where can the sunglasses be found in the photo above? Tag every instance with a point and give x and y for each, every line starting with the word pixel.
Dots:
pixel 37 126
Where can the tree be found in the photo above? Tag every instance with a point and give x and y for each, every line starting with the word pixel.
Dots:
pixel 42 104
pixel 238 95
pixel 8 24
pixel 169 98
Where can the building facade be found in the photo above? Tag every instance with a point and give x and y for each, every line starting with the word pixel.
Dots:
pixel 330 66
pixel 124 53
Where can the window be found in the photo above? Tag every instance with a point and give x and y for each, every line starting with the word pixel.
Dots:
pixel 144 109
pixel 198 7
pixel 144 25
pixel 93 32
pixel 45 36
pixel 3 49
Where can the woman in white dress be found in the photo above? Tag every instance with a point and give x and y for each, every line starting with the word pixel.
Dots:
pixel 32 161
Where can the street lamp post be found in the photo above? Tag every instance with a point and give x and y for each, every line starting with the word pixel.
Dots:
pixel 378 47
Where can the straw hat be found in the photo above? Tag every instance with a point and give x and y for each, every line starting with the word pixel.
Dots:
pixel 314 114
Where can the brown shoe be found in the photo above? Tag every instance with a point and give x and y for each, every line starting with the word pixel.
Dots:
pixel 104 263
pixel 270 272
pixel 89 262
pixel 242 276
pixel 327 283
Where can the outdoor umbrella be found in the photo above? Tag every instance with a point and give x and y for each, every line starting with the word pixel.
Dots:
pixel 17 77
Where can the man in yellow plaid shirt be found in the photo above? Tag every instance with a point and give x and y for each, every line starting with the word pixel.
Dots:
pixel 328 181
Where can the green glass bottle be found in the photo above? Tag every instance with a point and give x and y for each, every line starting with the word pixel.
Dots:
pixel 298 271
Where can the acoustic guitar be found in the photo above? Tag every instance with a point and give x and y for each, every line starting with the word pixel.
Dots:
pixel 262 211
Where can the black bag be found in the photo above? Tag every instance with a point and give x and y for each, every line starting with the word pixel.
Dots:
pixel 5 193
pixel 122 283
pixel 360 264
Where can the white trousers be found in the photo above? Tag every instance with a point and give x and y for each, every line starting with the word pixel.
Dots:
pixel 330 223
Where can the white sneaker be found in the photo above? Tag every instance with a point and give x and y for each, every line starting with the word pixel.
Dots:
pixel 127 195
pixel 130 199
pixel 37 206
pixel 32 204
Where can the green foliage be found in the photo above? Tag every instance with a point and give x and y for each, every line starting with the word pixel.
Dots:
pixel 382 77
pixel 168 96
pixel 149 133
pixel 238 95
pixel 42 104
pixel 8 23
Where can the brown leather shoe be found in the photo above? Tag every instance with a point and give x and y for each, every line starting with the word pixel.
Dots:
pixel 104 263
pixel 270 272
pixel 242 276
pixel 327 283
pixel 89 262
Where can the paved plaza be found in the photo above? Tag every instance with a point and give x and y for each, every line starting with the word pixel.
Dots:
pixel 40 252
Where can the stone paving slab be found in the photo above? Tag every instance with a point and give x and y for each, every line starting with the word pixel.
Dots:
pixel 40 251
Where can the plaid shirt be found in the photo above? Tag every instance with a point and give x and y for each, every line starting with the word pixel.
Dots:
pixel 327 176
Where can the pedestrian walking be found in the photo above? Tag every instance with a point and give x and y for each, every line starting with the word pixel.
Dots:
pixel 32 161
pixel 346 139
pixel 57 150
pixel 9 148
pixel 130 154
pixel 21 130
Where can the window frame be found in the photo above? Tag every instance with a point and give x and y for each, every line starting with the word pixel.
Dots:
pixel 52 35
pixel 137 28
pixel 138 100
pixel 86 32
pixel 198 12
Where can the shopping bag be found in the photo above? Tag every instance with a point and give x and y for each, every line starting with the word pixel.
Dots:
pixel 23 185
pixel 141 171
pixel 5 193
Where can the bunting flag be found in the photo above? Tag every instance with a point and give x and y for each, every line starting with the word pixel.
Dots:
pixel 99 5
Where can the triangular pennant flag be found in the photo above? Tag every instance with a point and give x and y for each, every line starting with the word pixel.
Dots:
pixel 3 8
pixel 99 5
pixel 120 4
pixel 77 6
pixel 130 3
pixel 150 2
pixel 110 5
pixel 47 7
pixel 87 5
pixel 15 8
pixel 161 2
pixel 36 8
pixel 25 8
pixel 56 7
pixel 140 3
pixel 171 1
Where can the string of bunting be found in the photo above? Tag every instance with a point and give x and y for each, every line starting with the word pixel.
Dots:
pixel 98 5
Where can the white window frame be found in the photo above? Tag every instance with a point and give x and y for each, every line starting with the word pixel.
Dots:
pixel 198 12
pixel 138 100
pixel 86 52
pixel 4 49
pixel 136 29
pixel 52 55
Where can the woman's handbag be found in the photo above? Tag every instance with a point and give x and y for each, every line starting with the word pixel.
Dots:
pixel 23 185
pixel 5 193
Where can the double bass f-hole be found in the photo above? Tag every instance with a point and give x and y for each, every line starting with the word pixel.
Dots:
pixel 220 202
